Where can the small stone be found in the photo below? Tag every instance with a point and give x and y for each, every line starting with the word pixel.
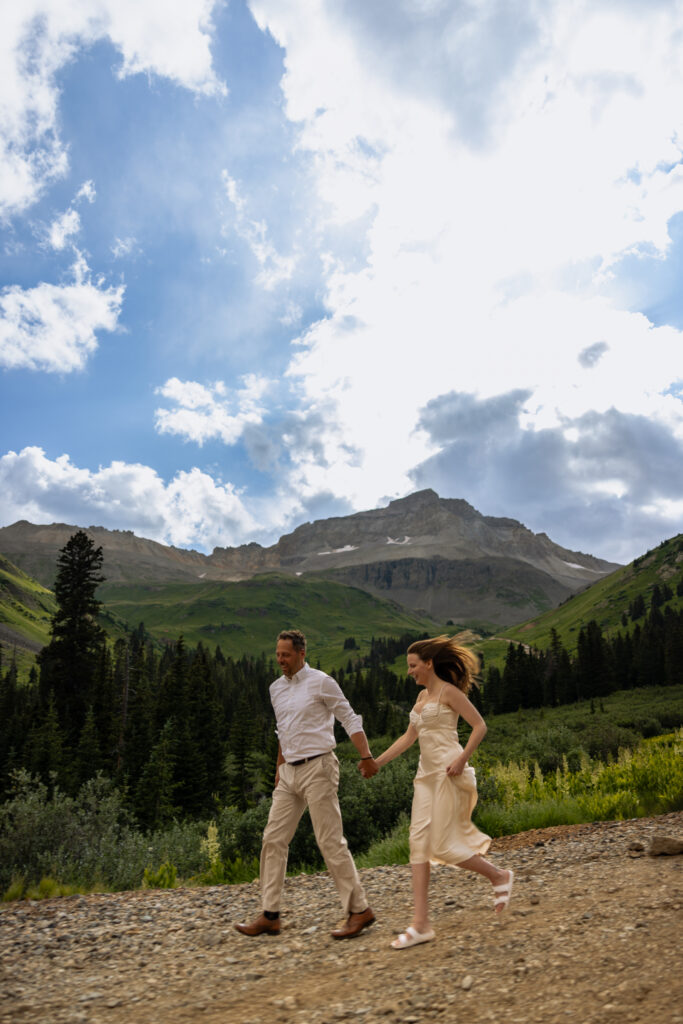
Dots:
pixel 467 982
pixel 636 847
pixel 534 900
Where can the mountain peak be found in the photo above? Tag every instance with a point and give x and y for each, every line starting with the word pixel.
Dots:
pixel 417 498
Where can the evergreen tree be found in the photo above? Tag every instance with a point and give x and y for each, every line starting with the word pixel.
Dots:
pixel 47 753
pixel 593 675
pixel 673 648
pixel 241 744
pixel 68 665
pixel 155 793
pixel 88 758
pixel 493 689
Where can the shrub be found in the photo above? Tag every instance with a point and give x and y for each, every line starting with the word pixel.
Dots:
pixel 604 739
pixel 165 877
pixel 548 746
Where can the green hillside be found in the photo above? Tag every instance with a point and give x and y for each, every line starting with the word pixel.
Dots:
pixel 607 601
pixel 26 608
pixel 245 617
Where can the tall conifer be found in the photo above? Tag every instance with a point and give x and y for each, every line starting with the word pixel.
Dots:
pixel 68 665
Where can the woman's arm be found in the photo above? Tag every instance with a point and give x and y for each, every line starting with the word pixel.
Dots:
pixel 457 700
pixel 399 746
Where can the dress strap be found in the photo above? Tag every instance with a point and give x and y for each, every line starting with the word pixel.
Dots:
pixel 438 699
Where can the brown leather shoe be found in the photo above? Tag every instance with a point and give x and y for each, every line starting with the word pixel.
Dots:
pixel 355 924
pixel 261 926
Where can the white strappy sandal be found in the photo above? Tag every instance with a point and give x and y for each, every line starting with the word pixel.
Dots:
pixel 505 891
pixel 411 937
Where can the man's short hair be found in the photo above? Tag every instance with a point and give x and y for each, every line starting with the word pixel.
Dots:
pixel 296 636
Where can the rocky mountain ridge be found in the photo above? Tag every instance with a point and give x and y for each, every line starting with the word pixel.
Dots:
pixel 424 551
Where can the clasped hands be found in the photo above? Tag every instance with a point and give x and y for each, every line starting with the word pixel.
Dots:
pixel 368 768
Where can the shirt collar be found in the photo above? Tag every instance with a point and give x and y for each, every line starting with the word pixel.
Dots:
pixel 298 676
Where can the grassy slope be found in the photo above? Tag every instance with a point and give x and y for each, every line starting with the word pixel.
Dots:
pixel 245 618
pixel 26 608
pixel 605 602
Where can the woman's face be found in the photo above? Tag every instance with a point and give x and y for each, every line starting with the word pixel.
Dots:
pixel 419 669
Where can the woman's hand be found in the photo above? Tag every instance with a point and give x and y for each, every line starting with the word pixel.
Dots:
pixel 458 766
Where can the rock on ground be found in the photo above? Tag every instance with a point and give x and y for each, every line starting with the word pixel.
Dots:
pixel 592 936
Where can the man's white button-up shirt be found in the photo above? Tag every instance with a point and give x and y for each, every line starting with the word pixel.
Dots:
pixel 305 709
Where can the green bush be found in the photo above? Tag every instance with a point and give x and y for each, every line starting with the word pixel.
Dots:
pixel 603 740
pixel 165 877
pixel 548 746
pixel 51 843
pixel 394 848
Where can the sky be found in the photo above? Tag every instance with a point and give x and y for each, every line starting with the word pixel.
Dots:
pixel 272 261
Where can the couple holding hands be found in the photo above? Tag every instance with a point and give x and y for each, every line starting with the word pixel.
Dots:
pixel 306 701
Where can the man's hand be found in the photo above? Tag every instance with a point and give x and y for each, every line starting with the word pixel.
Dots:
pixel 368 767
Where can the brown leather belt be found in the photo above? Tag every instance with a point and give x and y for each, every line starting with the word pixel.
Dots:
pixel 305 760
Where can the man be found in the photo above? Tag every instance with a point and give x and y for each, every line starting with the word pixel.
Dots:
pixel 306 702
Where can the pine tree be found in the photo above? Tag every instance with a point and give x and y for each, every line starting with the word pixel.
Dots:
pixel 154 797
pixel 593 669
pixel 68 665
pixel 88 757
pixel 47 753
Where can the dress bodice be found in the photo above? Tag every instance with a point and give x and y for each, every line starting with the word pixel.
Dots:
pixel 437 730
pixel 435 715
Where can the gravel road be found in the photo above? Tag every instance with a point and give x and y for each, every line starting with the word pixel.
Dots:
pixel 592 935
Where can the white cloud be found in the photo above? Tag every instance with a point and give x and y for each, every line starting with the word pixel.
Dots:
pixel 292 315
pixel 123 247
pixel 63 228
pixel 274 268
pixel 87 191
pixel 605 481
pixel 68 224
pixel 503 176
pixel 207 412
pixel 54 327
pixel 38 37
pixel 191 509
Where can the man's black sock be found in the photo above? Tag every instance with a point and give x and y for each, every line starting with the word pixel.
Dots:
pixel 271 915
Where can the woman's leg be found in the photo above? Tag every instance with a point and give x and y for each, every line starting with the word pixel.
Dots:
pixel 421 896
pixel 496 876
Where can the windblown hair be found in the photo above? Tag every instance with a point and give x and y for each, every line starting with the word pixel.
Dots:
pixel 296 636
pixel 452 663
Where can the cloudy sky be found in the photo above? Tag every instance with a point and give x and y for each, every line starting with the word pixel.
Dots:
pixel 264 262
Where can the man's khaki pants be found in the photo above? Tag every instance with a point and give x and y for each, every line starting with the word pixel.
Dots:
pixel 313 784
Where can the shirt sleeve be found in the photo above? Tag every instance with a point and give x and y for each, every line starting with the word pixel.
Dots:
pixel 334 699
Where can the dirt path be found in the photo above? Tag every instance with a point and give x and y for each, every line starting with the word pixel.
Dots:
pixel 592 935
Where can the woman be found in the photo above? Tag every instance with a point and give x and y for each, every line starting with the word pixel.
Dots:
pixel 441 829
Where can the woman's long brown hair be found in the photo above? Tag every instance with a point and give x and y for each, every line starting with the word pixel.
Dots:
pixel 452 663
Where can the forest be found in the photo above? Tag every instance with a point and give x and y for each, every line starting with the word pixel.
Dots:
pixel 168 735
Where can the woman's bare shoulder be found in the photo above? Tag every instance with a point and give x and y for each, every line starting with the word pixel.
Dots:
pixel 452 695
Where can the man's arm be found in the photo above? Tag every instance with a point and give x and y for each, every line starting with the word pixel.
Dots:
pixel 368 766
pixel 280 760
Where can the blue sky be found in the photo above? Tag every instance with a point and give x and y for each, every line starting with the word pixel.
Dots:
pixel 267 262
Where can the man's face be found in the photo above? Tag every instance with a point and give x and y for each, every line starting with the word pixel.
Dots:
pixel 289 658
